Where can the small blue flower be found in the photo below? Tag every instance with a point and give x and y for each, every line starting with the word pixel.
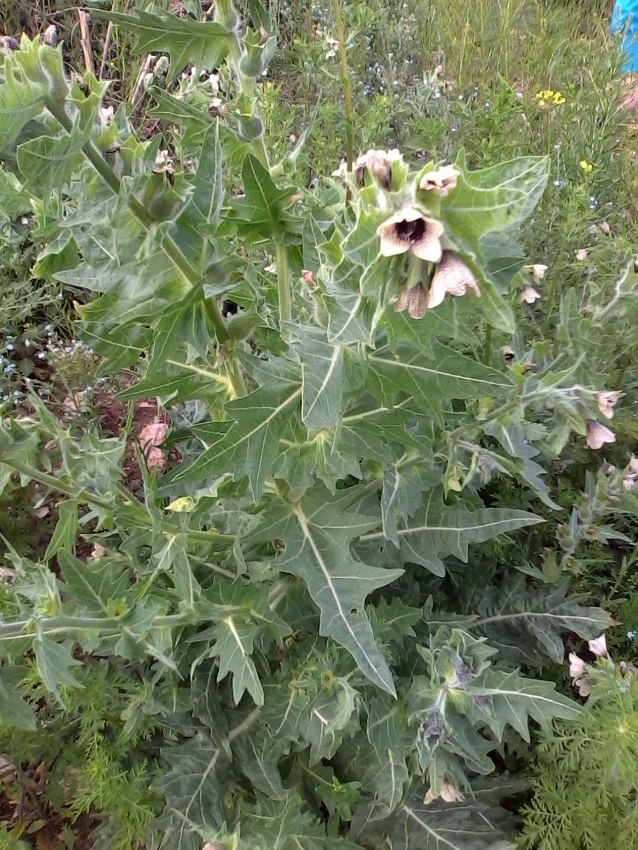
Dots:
pixel 631 634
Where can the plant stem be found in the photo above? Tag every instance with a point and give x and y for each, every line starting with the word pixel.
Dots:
pixel 170 248
pixel 140 518
pixel 487 348
pixel 345 82
pixel 283 285
pixel 19 629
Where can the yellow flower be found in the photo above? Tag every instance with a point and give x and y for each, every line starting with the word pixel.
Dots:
pixel 586 166
pixel 558 98
pixel 546 94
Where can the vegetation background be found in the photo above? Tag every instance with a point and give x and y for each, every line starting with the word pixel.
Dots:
pixel 498 78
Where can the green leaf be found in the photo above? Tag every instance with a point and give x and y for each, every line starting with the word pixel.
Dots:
pixel 66 529
pixel 450 320
pixel 322 374
pixel 97 587
pixel 54 661
pixel 402 495
pixel 21 94
pixel 513 440
pixel 387 730
pixel 194 789
pixel 201 43
pixel 202 213
pixel 248 444
pixel 173 559
pixel 444 375
pixel 287 825
pixel 439 530
pixel 499 699
pixel 256 754
pixel 262 211
pixel 316 536
pixel 493 199
pixel 14 711
pixel 527 624
pixel 233 646
pixel 476 823
pixel 193 123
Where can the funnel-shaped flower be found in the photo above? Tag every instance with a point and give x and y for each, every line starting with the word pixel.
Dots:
pixel 410 230
pixel 414 300
pixel 598 435
pixel 607 401
pixel 441 182
pixel 452 277
pixel 529 295
pixel 378 164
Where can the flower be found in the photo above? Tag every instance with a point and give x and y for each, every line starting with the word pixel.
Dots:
pixel 577 670
pixel 378 164
pixel 598 646
pixel 449 794
pixel 558 98
pixel 452 277
pixel 441 182
pixel 333 46
pixel 410 230
pixel 547 94
pixel 582 254
pixel 529 295
pixel 598 435
pixel 586 166
pixel 538 272
pixel 607 401
pixel 576 666
pixel 414 300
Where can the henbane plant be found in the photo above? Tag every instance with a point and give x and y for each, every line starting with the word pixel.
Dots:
pixel 275 592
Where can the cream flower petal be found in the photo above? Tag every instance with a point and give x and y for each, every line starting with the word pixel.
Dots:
pixel 418 302
pixel 379 164
pixel 410 230
pixel 598 435
pixel 598 646
pixel 452 276
pixel 436 295
pixel 576 666
pixel 403 301
pixel 441 182
pixel 450 794
pixel 607 401
pixel 529 295
pixel 538 272
pixel 428 247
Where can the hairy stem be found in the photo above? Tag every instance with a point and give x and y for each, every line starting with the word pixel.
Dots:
pixel 345 81
pixel 170 248
pixel 140 516
pixel 283 285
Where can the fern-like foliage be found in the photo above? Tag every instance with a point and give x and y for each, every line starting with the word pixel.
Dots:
pixel 585 781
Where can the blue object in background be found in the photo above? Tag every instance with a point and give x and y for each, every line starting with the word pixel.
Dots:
pixel 625 21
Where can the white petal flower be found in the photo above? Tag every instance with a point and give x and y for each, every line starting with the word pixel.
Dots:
pixel 607 401
pixel 538 272
pixel 441 182
pixel 576 666
pixel 451 277
pixel 449 794
pixel 529 295
pixel 410 230
pixel 598 435
pixel 598 646
pixel 582 254
pixel 577 672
